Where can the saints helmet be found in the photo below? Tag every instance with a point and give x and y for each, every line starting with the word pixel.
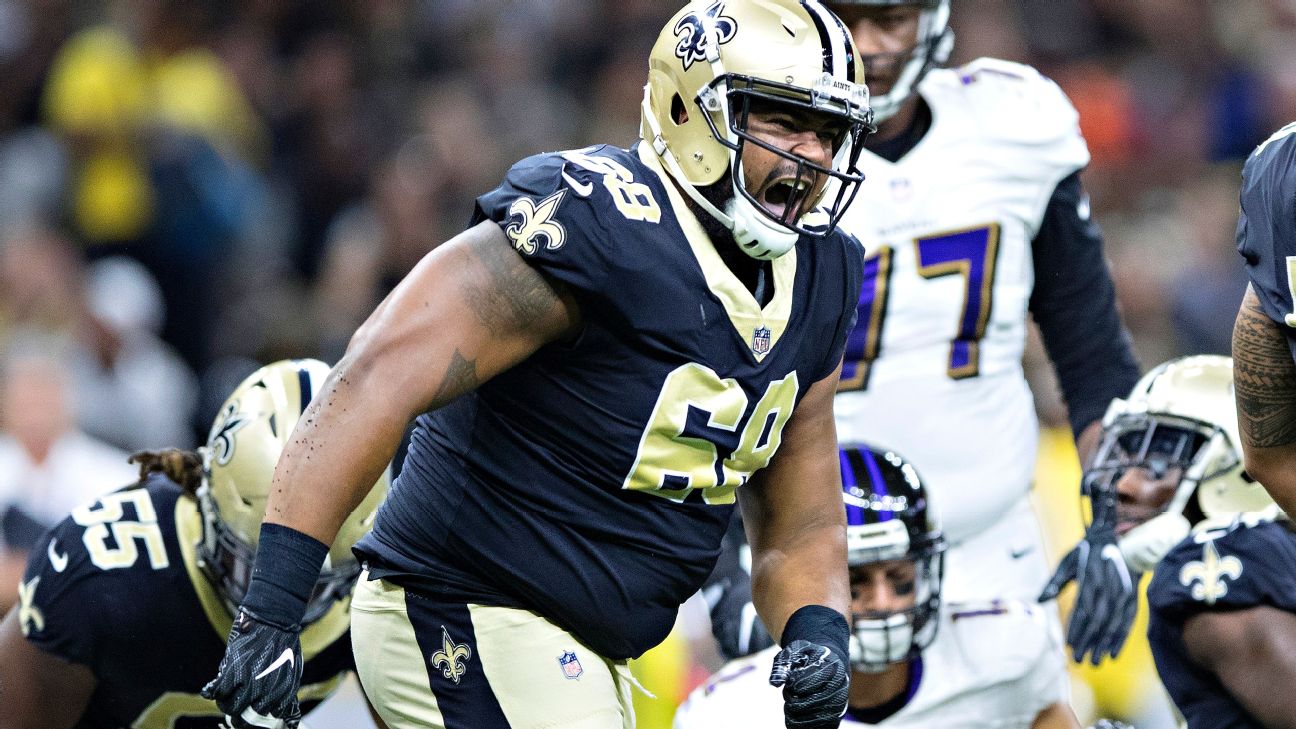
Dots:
pixel 1180 415
pixel 249 433
pixel 888 518
pixel 934 43
pixel 710 63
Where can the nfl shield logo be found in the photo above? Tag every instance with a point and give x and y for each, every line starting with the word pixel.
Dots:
pixel 570 665
pixel 761 341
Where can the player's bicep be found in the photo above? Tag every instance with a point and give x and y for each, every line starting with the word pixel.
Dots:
pixel 38 690
pixel 469 310
pixel 1253 653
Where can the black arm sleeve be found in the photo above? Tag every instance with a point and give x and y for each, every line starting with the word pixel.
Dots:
pixel 1074 303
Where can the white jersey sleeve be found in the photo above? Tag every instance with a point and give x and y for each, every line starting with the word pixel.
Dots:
pixel 738 696
pixel 933 367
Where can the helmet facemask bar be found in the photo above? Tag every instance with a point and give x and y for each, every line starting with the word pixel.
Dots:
pixel 1160 445
pixel 881 639
pixel 732 95
pixel 227 562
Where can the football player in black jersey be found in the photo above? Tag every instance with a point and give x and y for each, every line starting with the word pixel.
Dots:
pixel 125 605
pixel 623 344
pixel 1264 335
pixel 1168 481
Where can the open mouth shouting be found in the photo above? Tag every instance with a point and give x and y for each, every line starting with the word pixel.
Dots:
pixel 788 198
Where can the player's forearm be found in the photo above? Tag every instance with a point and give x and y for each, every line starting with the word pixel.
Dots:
pixel 809 571
pixel 1265 389
pixel 339 449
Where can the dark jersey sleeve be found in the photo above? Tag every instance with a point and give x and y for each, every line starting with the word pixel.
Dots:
pixel 59 586
pixel 1074 303
pixel 1230 569
pixel 737 628
pixel 555 214
pixel 853 271
pixel 1266 230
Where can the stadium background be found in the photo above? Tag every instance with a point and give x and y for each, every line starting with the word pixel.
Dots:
pixel 192 187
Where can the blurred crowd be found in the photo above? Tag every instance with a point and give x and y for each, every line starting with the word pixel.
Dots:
pixel 191 187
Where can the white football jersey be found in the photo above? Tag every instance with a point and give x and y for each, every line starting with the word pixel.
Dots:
pixel 992 666
pixel 933 368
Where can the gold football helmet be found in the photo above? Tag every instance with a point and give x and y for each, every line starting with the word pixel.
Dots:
pixel 1179 419
pixel 710 62
pixel 248 435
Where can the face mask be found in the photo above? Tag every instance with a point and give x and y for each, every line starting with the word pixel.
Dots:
pixel 879 642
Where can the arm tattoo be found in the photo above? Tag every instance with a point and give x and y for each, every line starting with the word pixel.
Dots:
pixel 505 293
pixel 1264 378
pixel 460 377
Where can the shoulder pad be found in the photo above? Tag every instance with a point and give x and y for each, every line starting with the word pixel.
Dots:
pixel 1018 109
pixel 557 210
pixel 1266 229
pixel 1243 564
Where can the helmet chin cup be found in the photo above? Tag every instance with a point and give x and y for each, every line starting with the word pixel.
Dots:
pixel 755 233
pixel 877 643
pixel 1145 545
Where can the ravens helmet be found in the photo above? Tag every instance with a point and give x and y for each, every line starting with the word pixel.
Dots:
pixel 888 518
pixel 710 63
pixel 1179 421
pixel 249 433
pixel 931 49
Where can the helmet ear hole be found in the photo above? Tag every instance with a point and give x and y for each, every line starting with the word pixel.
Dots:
pixel 679 114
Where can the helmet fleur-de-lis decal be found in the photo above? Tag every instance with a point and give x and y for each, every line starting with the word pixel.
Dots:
pixel 1210 572
pixel 222 438
pixel 453 657
pixel 694 41
pixel 535 225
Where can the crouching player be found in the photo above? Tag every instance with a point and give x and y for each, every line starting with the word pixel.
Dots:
pixel 914 661
pixel 1222 597
pixel 125 605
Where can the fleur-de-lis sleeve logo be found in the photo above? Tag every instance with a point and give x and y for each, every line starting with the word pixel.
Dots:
pixel 1209 574
pixel 535 226
pixel 694 40
pixel 30 618
pixel 453 657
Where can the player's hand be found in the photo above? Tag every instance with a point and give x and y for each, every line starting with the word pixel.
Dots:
pixel 257 681
pixel 815 685
pixel 1106 590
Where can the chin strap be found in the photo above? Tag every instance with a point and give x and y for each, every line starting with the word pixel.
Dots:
pixel 1146 544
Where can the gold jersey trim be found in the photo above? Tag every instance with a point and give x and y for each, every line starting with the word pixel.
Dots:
pixel 747 317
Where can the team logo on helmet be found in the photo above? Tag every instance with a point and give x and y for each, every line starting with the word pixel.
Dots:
pixel 695 41
pixel 452 658
pixel 222 439
pixel 1211 571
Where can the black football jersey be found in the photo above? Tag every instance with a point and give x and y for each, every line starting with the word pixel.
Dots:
pixel 1266 230
pixel 592 482
pixel 1243 565
pixel 115 587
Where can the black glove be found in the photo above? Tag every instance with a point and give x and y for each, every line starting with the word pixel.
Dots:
pixel 815 685
pixel 1106 590
pixel 257 681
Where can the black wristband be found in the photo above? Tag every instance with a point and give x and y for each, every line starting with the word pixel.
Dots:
pixel 287 568
pixel 818 624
